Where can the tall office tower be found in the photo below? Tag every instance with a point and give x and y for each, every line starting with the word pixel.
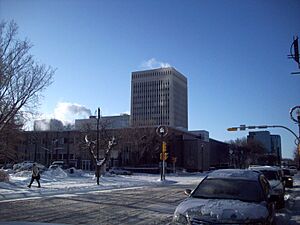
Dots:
pixel 159 97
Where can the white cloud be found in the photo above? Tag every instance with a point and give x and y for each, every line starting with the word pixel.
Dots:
pixel 153 63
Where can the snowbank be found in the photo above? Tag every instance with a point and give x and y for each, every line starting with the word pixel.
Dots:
pixel 4 176
pixel 59 181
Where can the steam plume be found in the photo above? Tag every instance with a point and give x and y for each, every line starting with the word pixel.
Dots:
pixel 153 63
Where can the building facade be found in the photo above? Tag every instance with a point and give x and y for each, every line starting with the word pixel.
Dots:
pixel 264 137
pixel 136 148
pixel 159 97
pixel 109 122
pixel 276 146
pixel 271 143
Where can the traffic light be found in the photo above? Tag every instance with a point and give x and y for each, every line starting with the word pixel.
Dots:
pixel 163 156
pixel 166 155
pixel 232 129
pixel 164 147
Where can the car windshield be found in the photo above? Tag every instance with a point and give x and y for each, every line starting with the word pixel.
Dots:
pixel 270 175
pixel 243 190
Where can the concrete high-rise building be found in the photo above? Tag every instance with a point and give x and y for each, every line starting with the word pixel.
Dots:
pixel 276 145
pixel 159 97
pixel 109 122
pixel 272 143
pixel 264 137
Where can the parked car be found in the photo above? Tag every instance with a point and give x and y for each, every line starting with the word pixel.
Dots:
pixel 289 181
pixel 56 164
pixel 293 170
pixel 274 176
pixel 119 171
pixel 228 196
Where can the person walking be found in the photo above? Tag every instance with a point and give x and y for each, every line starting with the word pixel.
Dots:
pixel 35 175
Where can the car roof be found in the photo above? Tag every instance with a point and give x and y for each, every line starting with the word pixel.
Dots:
pixel 270 168
pixel 242 174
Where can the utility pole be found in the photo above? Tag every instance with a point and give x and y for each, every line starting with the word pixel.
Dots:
pixel 97 146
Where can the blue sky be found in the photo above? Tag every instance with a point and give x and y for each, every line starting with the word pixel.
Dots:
pixel 234 54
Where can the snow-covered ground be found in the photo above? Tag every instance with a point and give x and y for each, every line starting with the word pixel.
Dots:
pixel 60 182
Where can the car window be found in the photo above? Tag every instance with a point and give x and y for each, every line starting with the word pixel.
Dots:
pixel 244 190
pixel 270 174
pixel 265 185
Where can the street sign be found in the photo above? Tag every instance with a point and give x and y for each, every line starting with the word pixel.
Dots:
pixel 162 131
pixel 242 127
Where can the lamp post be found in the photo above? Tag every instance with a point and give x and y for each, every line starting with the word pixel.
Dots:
pixel 202 149
pixel 97 146
pixel 296 119
pixel 162 131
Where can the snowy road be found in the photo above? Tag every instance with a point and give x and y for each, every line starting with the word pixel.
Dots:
pixel 137 199
pixel 139 205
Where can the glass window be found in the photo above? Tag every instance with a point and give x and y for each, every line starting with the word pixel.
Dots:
pixel 218 188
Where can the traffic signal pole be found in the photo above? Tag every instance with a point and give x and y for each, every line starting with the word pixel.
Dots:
pixel 244 127
pixel 164 157
pixel 162 131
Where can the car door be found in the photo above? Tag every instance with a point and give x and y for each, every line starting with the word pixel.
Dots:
pixel 267 191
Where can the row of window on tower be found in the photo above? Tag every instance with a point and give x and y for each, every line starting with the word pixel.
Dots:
pixel 151 74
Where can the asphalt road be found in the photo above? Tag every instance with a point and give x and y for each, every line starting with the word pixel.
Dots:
pixel 143 205
pixel 146 205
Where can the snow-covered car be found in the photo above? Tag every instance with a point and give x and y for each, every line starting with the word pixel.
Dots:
pixel 56 164
pixel 228 196
pixel 119 171
pixel 274 176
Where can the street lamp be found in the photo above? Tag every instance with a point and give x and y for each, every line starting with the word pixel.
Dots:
pixel 202 149
pixel 296 109
pixel 97 146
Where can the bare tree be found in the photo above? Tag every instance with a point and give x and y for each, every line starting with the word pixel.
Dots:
pixel 105 142
pixel 145 144
pixel 251 149
pixel 22 79
pixel 9 139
